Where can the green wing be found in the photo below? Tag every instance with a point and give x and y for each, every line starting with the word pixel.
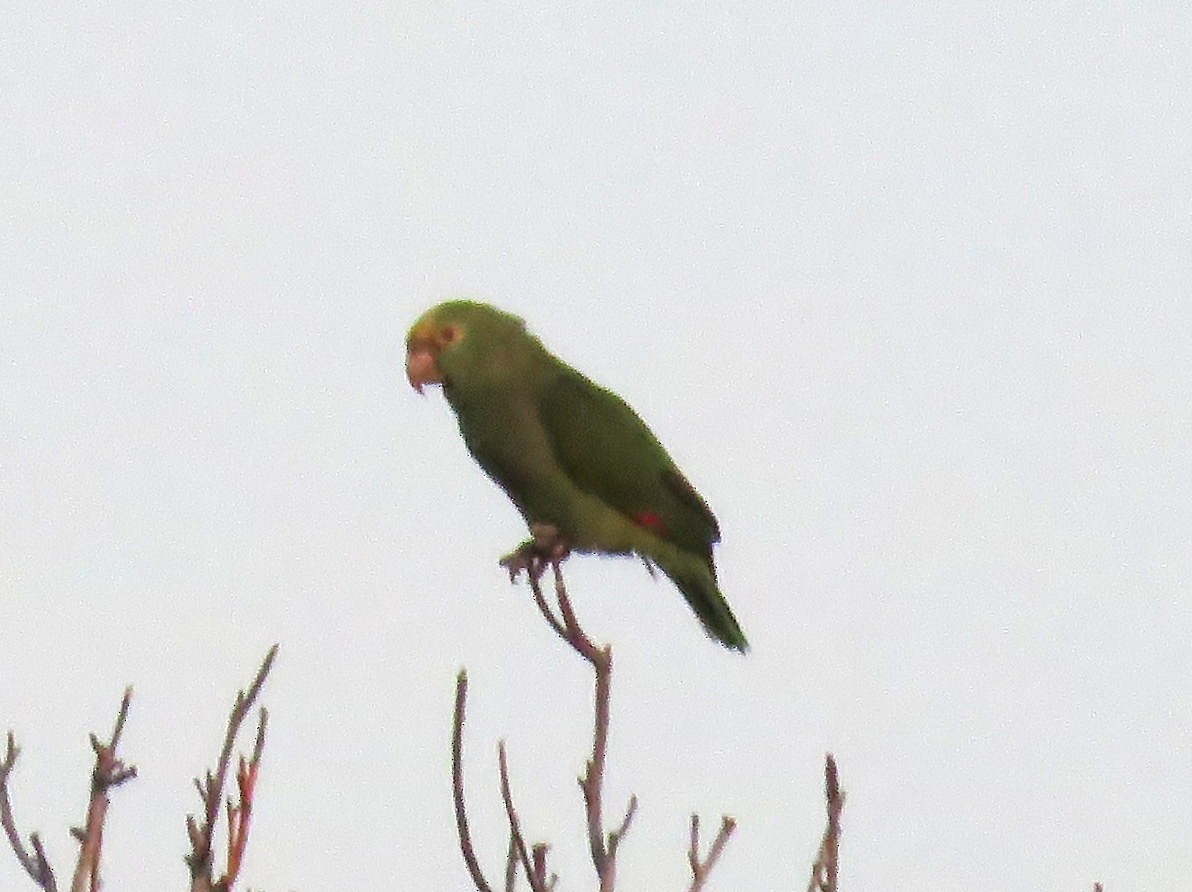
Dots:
pixel 608 451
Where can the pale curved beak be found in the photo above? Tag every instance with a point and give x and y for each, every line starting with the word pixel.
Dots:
pixel 421 368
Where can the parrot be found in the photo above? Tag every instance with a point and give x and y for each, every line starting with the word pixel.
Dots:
pixel 573 457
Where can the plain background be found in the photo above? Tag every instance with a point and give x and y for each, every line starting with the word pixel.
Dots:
pixel 904 288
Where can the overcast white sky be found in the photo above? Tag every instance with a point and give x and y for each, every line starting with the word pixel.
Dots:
pixel 904 290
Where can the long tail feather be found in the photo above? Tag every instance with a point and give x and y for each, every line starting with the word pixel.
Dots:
pixel 698 584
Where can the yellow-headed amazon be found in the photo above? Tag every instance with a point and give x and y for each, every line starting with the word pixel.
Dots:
pixel 570 454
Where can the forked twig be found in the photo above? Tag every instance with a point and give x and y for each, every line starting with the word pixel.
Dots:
pixel 34 862
pixel 240 815
pixel 532 860
pixel 603 845
pixel 825 870
pixel 537 883
pixel 702 868
pixel 211 793
pixel 109 771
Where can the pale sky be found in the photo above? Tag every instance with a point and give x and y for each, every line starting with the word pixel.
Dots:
pixel 905 291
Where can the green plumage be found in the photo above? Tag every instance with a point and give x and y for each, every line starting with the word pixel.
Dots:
pixel 570 453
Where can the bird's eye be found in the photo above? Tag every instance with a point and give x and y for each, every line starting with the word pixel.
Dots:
pixel 449 334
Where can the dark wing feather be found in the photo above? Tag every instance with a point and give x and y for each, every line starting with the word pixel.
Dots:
pixel 608 451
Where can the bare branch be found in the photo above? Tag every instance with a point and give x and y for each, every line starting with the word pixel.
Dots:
pixel 35 838
pixel 603 847
pixel 240 816
pixel 211 788
pixel 109 772
pixel 538 856
pixel 544 608
pixel 34 863
pixel 702 868
pixel 615 836
pixel 515 832
pixel 457 779
pixel 511 861
pixel 824 871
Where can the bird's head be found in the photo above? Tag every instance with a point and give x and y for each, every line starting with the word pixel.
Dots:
pixel 455 340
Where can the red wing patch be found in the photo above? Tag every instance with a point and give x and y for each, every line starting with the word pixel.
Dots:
pixel 651 521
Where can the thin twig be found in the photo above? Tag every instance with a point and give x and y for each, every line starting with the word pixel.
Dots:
pixel 511 861
pixel 240 816
pixel 538 852
pixel 35 862
pixel 457 781
pixel 515 832
pixel 544 609
pixel 824 872
pixel 538 856
pixel 211 793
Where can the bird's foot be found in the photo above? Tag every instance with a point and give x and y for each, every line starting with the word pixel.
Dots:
pixel 544 548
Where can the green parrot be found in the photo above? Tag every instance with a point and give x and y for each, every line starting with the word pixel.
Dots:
pixel 571 455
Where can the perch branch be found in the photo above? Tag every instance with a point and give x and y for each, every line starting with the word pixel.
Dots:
pixel 534 557
pixel 824 870
pixel 603 847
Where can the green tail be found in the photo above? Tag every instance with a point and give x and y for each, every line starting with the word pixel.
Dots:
pixel 697 581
